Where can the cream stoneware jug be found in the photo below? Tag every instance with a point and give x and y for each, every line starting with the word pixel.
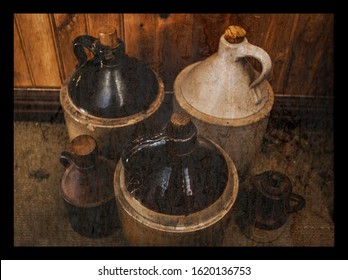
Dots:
pixel 227 99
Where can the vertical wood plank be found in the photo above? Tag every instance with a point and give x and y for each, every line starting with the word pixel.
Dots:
pixel 174 46
pixel 22 77
pixel 56 46
pixel 307 50
pixel 278 42
pixel 95 21
pixel 68 27
pixel 323 76
pixel 140 37
pixel 206 33
pixel 39 46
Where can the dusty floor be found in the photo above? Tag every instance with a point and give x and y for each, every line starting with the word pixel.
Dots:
pixel 305 155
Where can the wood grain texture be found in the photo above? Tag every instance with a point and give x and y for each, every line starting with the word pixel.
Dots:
pixel 307 54
pixel 322 78
pixel 22 75
pixel 39 46
pixel 140 38
pixel 69 26
pixel 206 32
pixel 173 45
pixel 300 45
pixel 280 36
pixel 95 21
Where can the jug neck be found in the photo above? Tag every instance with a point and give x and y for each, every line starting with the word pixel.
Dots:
pixel 111 56
pixel 110 45
pixel 182 135
pixel 229 51
pixel 83 155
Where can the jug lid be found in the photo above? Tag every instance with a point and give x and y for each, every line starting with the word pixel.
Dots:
pixel 175 172
pixel 110 84
pixel 225 85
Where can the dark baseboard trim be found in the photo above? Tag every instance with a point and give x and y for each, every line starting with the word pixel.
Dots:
pixel 38 105
pixel 42 105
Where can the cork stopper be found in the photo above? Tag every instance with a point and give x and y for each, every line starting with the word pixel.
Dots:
pixel 108 36
pixel 179 119
pixel 234 34
pixel 180 126
pixel 83 145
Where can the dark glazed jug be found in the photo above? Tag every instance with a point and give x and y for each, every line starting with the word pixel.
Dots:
pixel 111 84
pixel 112 96
pixel 87 189
pixel 175 188
pixel 175 172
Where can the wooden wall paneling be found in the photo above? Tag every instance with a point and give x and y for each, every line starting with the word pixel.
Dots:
pixel 206 33
pixel 56 46
pixel 22 76
pixel 69 26
pixel 277 42
pixel 307 49
pixel 323 76
pixel 95 21
pixel 140 37
pixel 173 45
pixel 39 46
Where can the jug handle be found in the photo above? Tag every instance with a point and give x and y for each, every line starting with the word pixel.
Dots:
pixel 248 50
pixel 143 142
pixel 81 42
pixel 66 159
pixel 300 203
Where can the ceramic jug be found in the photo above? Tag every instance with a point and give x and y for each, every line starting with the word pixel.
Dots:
pixel 87 189
pixel 112 96
pixel 175 188
pixel 227 99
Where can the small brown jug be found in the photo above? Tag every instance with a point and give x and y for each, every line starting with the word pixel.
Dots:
pixel 87 188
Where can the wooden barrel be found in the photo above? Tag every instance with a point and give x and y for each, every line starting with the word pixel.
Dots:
pixel 144 227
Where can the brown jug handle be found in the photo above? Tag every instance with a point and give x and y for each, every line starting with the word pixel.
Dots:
pixel 300 203
pixel 66 159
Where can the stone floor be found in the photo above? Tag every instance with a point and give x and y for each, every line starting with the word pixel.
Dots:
pixel 304 155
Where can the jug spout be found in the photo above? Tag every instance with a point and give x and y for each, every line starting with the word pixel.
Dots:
pixel 84 153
